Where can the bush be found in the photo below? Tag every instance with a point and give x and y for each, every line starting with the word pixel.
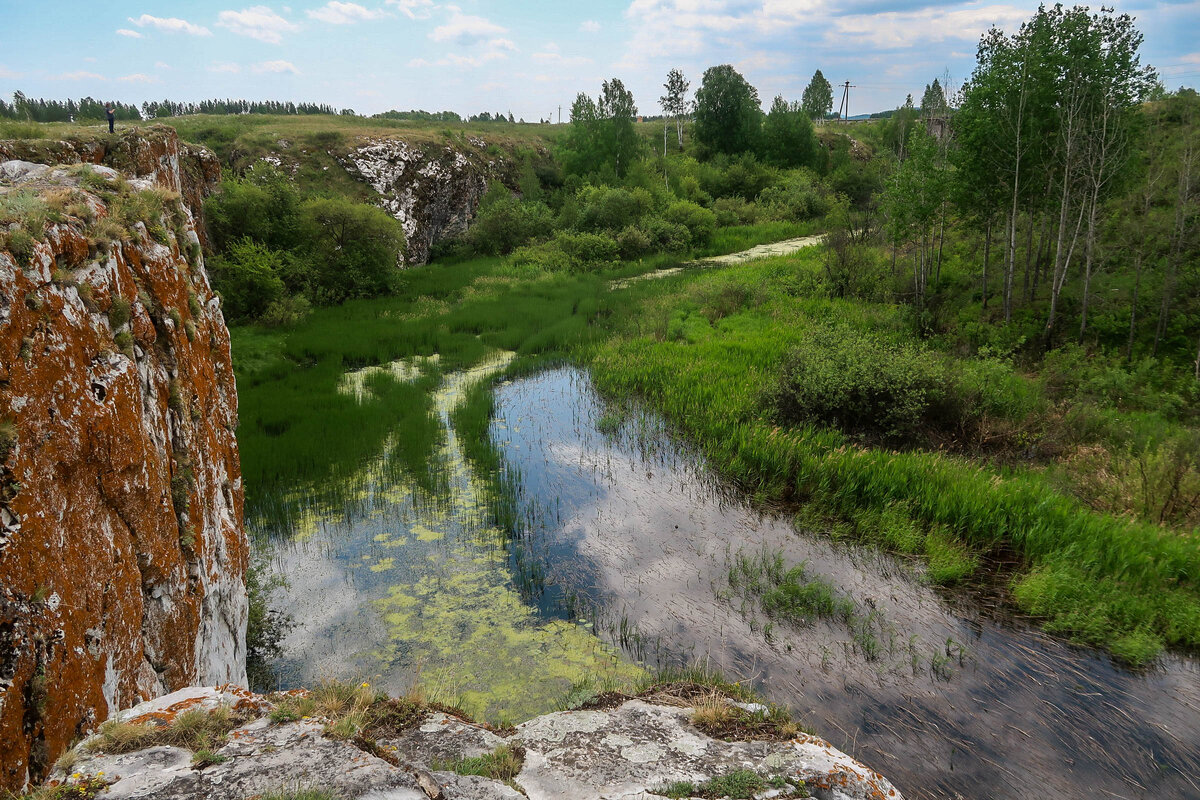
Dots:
pixel 633 243
pixel 668 237
pixel 572 252
pixel 860 383
pixel 287 310
pixel 735 211
pixel 608 209
pixel 799 197
pixel 248 279
pixel 700 222
pixel 354 248
pixel 504 225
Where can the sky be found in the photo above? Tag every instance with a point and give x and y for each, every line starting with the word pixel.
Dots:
pixel 527 58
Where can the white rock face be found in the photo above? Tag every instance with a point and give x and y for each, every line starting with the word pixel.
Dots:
pixel 433 190
pixel 627 752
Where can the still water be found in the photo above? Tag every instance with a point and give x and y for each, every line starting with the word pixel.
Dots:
pixel 631 539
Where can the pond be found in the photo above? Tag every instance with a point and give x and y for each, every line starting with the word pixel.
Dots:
pixel 640 555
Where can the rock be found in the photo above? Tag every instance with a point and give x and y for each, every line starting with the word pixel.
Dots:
pixel 441 738
pixel 433 190
pixel 626 752
pixel 153 152
pixel 631 750
pixel 122 553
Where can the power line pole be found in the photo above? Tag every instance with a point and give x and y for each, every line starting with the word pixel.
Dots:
pixel 560 115
pixel 846 87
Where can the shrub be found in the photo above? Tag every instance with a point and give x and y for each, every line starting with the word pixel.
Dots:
pixel 799 197
pixel 573 252
pixel 612 209
pixel 633 243
pixel 118 312
pixel 506 224
pixel 735 211
pixel 287 310
pixel 699 221
pixel 668 237
pixel 20 244
pixel 247 278
pixel 860 383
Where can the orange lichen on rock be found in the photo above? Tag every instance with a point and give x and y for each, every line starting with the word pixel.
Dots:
pixel 122 551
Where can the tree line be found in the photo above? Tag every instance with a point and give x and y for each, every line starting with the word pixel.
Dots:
pixel 1074 166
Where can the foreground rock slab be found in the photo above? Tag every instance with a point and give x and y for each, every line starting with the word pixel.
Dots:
pixel 634 750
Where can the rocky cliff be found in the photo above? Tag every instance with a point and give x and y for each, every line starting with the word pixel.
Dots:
pixel 122 553
pixel 213 744
pixel 153 152
pixel 432 189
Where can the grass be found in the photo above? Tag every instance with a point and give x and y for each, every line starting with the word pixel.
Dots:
pixel 1107 581
pixel 350 711
pixel 738 784
pixel 502 764
pixel 195 729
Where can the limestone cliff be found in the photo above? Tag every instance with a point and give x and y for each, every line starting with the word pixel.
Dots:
pixel 122 553
pixel 432 189
pixel 153 152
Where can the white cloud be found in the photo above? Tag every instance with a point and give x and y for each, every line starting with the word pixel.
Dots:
pixel 414 9
pixel 5 72
pixel 223 66
pixel 551 54
pixel 589 26
pixel 337 13
pixel 466 29
pixel 276 66
pixel 257 22
pixel 420 62
pixel 162 65
pixel 138 77
pixel 129 33
pixel 80 75
pixel 908 29
pixel 170 25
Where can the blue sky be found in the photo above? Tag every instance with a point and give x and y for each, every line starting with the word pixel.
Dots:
pixel 523 57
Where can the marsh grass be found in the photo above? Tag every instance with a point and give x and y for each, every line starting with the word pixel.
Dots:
pixel 1113 582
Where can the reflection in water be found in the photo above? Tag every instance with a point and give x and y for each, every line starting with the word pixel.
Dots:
pixel 951 702
pixel 402 587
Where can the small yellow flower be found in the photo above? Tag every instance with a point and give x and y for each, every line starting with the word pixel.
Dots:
pixel 100 773
pixel 366 685
pixel 77 775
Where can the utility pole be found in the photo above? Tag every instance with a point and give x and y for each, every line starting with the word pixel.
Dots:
pixel 846 87
pixel 560 115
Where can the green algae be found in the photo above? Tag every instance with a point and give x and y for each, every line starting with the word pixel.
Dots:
pixel 437 583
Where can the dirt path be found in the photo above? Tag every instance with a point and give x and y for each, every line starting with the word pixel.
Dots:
pixel 781 248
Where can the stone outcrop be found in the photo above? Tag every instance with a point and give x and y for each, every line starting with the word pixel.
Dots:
pixel 153 152
pixel 122 553
pixel 432 189
pixel 634 750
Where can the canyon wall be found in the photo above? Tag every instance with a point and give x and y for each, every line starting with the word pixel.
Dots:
pixel 122 552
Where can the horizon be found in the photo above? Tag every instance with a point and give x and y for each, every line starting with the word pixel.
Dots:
pixel 508 57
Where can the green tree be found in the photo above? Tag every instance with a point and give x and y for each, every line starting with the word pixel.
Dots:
pixel 355 248
pixel 728 116
pixel 817 100
pixel 602 135
pixel 933 102
pixel 788 139
pixel 248 278
pixel 674 103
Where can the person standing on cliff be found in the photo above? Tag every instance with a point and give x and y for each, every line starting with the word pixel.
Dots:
pixel 112 116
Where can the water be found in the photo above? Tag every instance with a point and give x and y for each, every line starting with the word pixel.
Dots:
pixel 950 700
pixel 402 587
